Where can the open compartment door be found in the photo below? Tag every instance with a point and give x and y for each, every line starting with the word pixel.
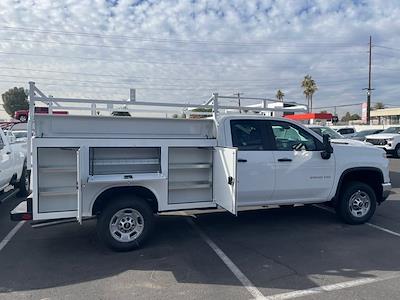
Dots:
pixel 79 182
pixel 225 179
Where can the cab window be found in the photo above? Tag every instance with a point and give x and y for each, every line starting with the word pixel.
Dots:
pixel 1 142
pixel 289 137
pixel 249 135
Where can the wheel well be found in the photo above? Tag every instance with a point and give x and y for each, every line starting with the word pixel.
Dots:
pixel 115 192
pixel 372 177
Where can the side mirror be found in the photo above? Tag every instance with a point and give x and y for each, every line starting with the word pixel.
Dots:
pixel 328 150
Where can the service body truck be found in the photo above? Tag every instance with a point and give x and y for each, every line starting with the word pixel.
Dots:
pixel 13 169
pixel 126 170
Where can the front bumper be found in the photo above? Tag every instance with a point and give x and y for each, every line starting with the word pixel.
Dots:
pixel 386 188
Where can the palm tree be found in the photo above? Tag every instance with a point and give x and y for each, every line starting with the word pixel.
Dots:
pixel 310 87
pixel 279 95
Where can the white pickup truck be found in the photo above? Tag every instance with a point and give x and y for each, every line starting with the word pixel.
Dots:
pixel 388 140
pixel 13 169
pixel 125 170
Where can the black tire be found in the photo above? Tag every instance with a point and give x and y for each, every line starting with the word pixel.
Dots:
pixel 24 183
pixel 348 195
pixel 396 152
pixel 108 214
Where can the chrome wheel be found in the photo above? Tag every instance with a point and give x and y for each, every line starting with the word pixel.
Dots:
pixel 359 204
pixel 126 225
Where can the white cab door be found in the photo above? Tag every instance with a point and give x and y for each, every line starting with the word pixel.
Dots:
pixel 256 163
pixel 301 173
pixel 5 163
pixel 224 178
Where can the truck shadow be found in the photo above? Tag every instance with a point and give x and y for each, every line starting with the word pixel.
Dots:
pixel 274 248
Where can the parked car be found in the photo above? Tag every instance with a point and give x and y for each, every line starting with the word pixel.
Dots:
pixel 389 140
pixel 20 135
pixel 360 135
pixel 321 130
pixel 346 132
pixel 125 170
pixel 13 169
pixel 334 135
pixel 22 115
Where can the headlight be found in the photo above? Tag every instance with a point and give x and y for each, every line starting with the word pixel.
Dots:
pixel 390 139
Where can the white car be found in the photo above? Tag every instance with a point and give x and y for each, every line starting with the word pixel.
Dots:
pixel 346 132
pixel 334 135
pixel 13 164
pixel 389 140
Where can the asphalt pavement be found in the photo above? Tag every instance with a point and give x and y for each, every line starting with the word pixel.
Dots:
pixel 303 252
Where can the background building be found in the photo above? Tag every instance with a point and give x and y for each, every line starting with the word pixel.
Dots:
pixel 385 116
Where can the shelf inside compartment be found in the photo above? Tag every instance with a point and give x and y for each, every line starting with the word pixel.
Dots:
pixel 125 177
pixel 180 166
pixel 181 185
pixel 58 169
pixel 57 191
pixel 117 162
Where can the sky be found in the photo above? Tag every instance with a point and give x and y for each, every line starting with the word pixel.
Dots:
pixel 183 51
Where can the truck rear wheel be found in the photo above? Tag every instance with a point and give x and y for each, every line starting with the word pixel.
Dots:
pixel 357 203
pixel 125 224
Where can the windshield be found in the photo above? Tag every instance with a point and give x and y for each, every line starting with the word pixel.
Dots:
pixel 392 130
pixel 326 130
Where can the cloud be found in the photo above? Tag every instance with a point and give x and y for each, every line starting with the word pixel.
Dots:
pixel 182 50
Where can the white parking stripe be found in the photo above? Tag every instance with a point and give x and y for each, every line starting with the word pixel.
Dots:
pixel 368 223
pixel 383 229
pixel 9 236
pixel 331 287
pixel 229 263
pixel 8 196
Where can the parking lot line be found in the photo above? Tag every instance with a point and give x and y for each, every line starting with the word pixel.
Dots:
pixel 331 287
pixel 10 235
pixel 8 196
pixel 368 223
pixel 383 229
pixel 229 263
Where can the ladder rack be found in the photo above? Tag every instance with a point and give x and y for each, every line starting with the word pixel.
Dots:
pixel 212 107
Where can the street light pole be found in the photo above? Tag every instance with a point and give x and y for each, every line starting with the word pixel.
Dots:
pixel 369 84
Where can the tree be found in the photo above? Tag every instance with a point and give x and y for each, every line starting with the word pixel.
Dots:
pixel 309 88
pixel 379 105
pixel 279 95
pixel 323 112
pixel 15 99
pixel 350 117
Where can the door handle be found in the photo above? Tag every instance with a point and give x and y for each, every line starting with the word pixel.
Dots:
pixel 284 159
pixel 242 160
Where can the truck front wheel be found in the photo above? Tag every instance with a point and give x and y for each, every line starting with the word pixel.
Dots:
pixel 357 203
pixel 125 224
pixel 396 152
pixel 24 183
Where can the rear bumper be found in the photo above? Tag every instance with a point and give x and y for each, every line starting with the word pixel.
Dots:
pixel 386 188
pixel 22 211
